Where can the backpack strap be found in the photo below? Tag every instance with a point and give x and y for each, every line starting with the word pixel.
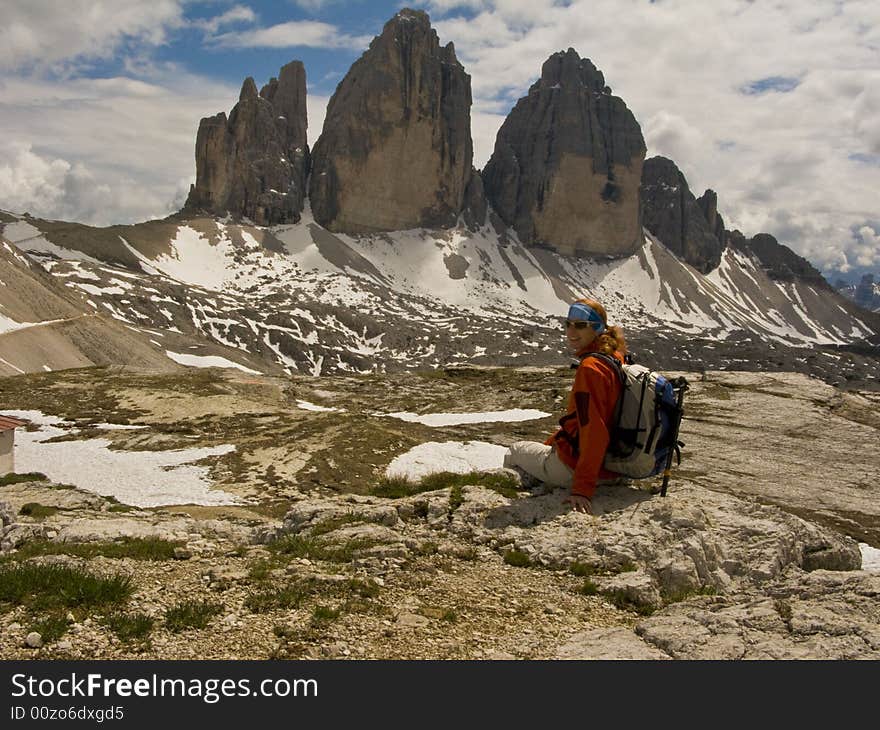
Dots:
pixel 621 376
pixel 613 361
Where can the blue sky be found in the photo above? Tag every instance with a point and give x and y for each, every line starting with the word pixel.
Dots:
pixel 775 106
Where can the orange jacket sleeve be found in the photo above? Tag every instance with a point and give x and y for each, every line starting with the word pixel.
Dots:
pixel 594 395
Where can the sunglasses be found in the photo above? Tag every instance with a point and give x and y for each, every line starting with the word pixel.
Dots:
pixel 577 325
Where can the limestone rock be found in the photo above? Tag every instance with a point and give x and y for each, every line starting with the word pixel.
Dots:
pixel 33 640
pixel 254 164
pixel 779 261
pixel 396 150
pixel 616 643
pixel 828 615
pixel 7 514
pixel 475 204
pixel 708 203
pixel 567 164
pixel 690 228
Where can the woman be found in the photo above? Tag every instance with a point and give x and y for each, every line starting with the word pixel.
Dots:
pixel 572 457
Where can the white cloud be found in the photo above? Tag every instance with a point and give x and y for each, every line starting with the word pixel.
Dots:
pixel 47 33
pixel 102 151
pixel 802 165
pixel 315 5
pixel 295 33
pixel 866 252
pixel 236 14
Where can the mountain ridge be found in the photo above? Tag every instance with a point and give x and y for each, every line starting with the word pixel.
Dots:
pixel 299 298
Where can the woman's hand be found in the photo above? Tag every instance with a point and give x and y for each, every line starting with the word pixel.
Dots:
pixel 580 504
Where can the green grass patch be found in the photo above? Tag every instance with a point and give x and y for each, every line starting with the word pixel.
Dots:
pixel 334 523
pixel 456 499
pixel 121 508
pixel 517 558
pixel 135 548
pixel 291 596
pixel 33 476
pixel 325 614
pixel 619 599
pixel 306 546
pixel 259 570
pixel 129 628
pixel 683 595
pixel 48 587
pixel 37 511
pixel 450 616
pixel 581 570
pixel 398 487
pixel 190 615
pixel 295 594
pixel 588 588
pixel 50 628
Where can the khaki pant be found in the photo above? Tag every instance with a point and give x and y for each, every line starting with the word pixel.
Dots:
pixel 540 461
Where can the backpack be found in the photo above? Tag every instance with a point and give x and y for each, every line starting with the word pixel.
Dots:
pixel 647 417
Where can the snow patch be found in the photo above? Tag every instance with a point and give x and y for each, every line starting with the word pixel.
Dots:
pixel 456 419
pixel 454 456
pixel 138 478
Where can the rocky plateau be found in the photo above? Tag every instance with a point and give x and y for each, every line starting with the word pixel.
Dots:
pixel 755 552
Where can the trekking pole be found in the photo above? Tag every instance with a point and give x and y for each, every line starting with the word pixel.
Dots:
pixel 679 403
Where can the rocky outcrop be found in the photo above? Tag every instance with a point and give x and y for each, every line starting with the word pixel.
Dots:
pixel 778 260
pixel 567 164
pixel 395 152
pixel 718 577
pixel 254 164
pixel 708 203
pixel 690 228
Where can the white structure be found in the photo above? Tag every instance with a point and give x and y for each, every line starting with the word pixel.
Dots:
pixel 7 442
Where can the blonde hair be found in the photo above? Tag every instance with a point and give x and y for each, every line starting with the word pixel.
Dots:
pixel 611 340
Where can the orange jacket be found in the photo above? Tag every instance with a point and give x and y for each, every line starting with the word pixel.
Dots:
pixel 584 433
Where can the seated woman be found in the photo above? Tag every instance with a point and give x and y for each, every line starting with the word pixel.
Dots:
pixel 572 457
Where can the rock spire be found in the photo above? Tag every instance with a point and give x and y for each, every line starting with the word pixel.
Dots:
pixel 567 164
pixel 689 227
pixel 254 164
pixel 396 149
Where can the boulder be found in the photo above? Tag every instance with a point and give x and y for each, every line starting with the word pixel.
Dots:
pixel 395 152
pixel 690 228
pixel 567 164
pixel 254 164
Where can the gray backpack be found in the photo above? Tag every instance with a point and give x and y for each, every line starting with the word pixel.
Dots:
pixel 648 414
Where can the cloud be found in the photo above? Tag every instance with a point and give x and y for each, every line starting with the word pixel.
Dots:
pixel 798 160
pixel 295 33
pixel 316 5
pixel 47 34
pixel 102 151
pixel 803 142
pixel 236 14
pixel 55 188
pixel 866 251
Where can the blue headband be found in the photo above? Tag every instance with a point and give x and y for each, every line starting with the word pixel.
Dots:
pixel 582 312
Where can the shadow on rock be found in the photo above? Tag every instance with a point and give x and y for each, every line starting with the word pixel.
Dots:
pixel 540 508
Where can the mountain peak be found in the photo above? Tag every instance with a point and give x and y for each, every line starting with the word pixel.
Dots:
pixel 403 105
pixel 567 67
pixel 248 90
pixel 567 164
pixel 254 164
